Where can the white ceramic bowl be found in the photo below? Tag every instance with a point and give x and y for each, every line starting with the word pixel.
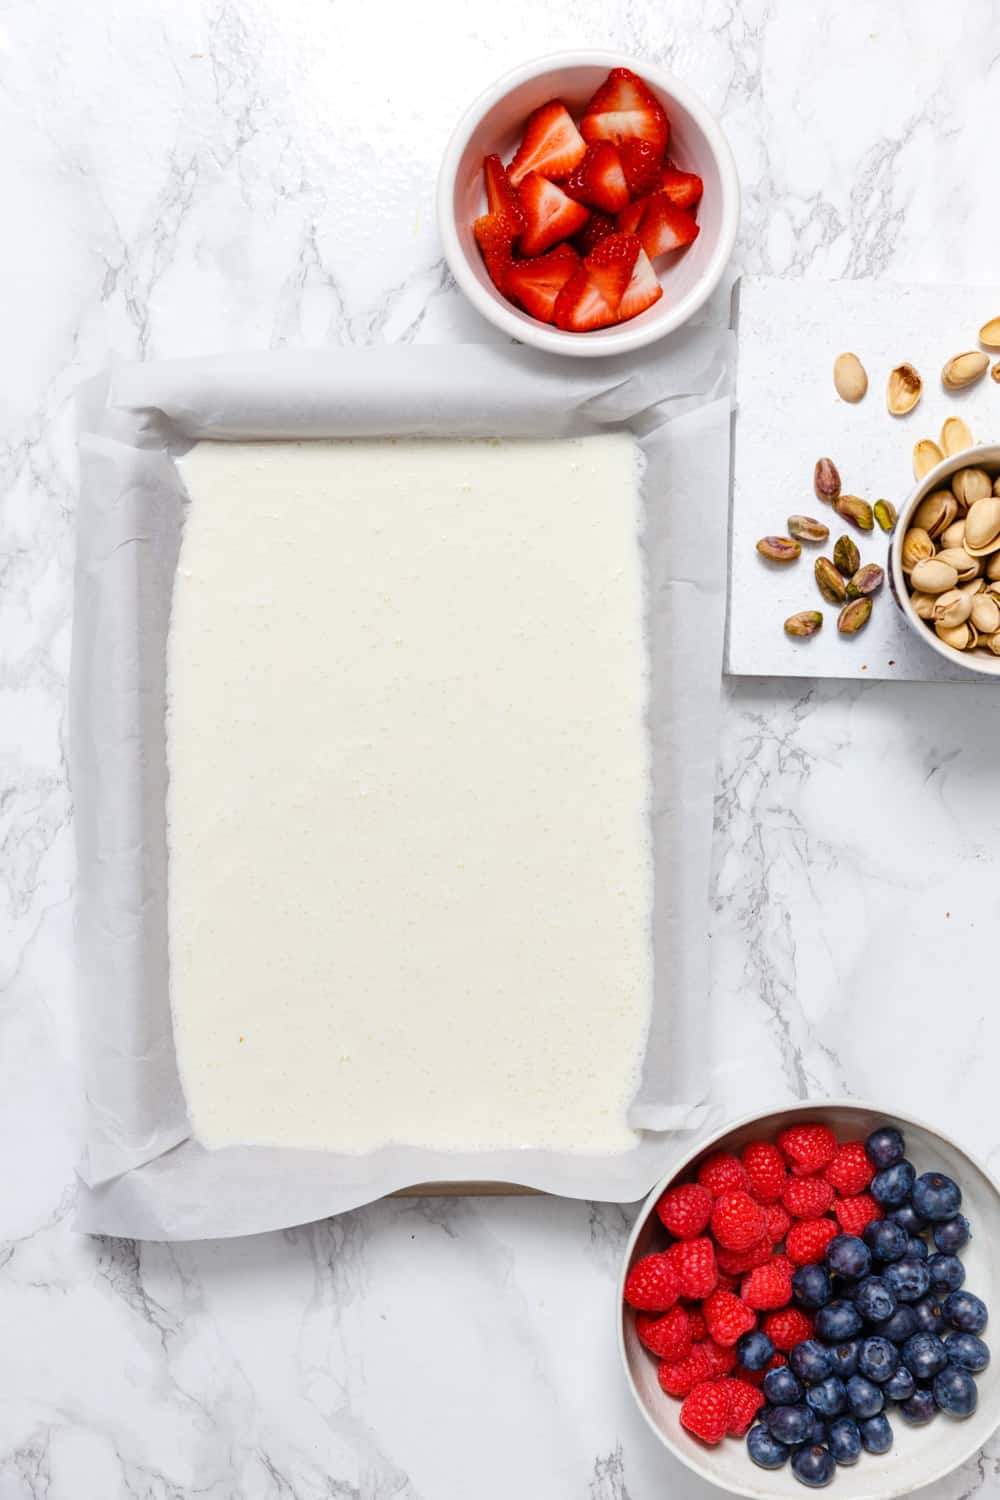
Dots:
pixel 920 1455
pixel 494 123
pixel 986 457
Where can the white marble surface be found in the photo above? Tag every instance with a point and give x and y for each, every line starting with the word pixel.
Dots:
pixel 209 174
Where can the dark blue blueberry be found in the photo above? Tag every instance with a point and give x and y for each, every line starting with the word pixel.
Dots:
pixel 916 1248
pixel 828 1398
pixel 811 1361
pixel 864 1397
pixel 907 1218
pixel 920 1408
pixel 885 1146
pixel 955 1391
pixel 817 1433
pixel 965 1311
pixel 765 1450
pixel 936 1197
pixel 844 1440
pixel 845 1357
pixel 893 1186
pixel 952 1234
pixel 838 1321
pixel 811 1286
pixel 886 1240
pixel 875 1299
pixel 930 1314
pixel 966 1350
pixel 876 1434
pixel 781 1387
pixel 754 1350
pixel 790 1424
pixel 847 1255
pixel 902 1323
pixel 813 1466
pixel 900 1385
pixel 947 1273
pixel 878 1359
pixel 924 1355
pixel 909 1279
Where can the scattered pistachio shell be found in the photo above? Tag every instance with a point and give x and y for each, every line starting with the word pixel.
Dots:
pixel 855 510
pixel 952 608
pixel 982 528
pixel 854 616
pixel 963 369
pixel 867 580
pixel 826 479
pixel 995 375
pixel 846 556
pixel 933 577
pixel 850 377
pixel 806 529
pixel 903 390
pixel 923 605
pixel 965 566
pixel 807 622
pixel 985 613
pixel 953 535
pixel 917 547
pixel 957 636
pixel 956 436
pixel 885 514
pixel 829 582
pixel 935 511
pixel 989 334
pixel 780 549
pixel 926 456
pixel 970 485
pixel 993 568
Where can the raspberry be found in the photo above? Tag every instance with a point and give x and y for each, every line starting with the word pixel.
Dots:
pixel 720 1360
pixel 854 1213
pixel 735 1262
pixel 787 1328
pixel 745 1401
pixel 728 1281
pixel 653 1284
pixel 694 1262
pixel 807 1148
pixel 807 1197
pixel 778 1223
pixel 705 1411
pixel 807 1241
pixel 756 1377
pixel 722 1173
pixel 850 1171
pixel 668 1336
pixel 728 1317
pixel 768 1286
pixel 677 1376
pixel 737 1221
pixel 699 1328
pixel 765 1169
pixel 685 1210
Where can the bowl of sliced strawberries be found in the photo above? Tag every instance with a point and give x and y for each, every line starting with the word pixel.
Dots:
pixel 588 203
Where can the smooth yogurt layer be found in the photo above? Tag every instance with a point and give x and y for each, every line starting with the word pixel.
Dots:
pixel 410 874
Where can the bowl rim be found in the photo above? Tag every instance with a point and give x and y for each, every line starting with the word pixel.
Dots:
pixel 619 340
pixel 692 1460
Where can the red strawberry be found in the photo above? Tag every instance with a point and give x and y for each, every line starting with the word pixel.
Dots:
pixel 787 1328
pixel 850 1171
pixel 744 1404
pixel 495 241
pixel 854 1213
pixel 592 296
pixel 722 1172
pixel 685 1210
pixel 642 165
pixel 778 1222
pixel 807 1197
pixel 765 1169
pixel 737 1262
pixel 536 283
pixel 664 228
pixel 653 1284
pixel 678 1376
pixel 551 144
pixel 628 222
pixel 806 1241
pixel 549 215
pixel 728 1317
pixel 501 198
pixel 684 189
pixel 705 1411
pixel 642 291
pixel 667 1336
pixel 699 1328
pixel 624 107
pixel 694 1262
pixel 737 1221
pixel 599 179
pixel 807 1148
pixel 768 1286
pixel 596 229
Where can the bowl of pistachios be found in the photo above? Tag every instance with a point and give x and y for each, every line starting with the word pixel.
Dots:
pixel 945 559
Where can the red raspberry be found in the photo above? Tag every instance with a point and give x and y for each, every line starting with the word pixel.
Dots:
pixel 850 1171
pixel 778 1223
pixel 807 1148
pixel 685 1210
pixel 735 1262
pixel 677 1376
pixel 728 1281
pixel 765 1169
pixel 787 1328
pixel 756 1377
pixel 699 1328
pixel 768 1286
pixel 653 1284
pixel 807 1241
pixel 728 1317
pixel 705 1411
pixel 722 1173
pixel 745 1401
pixel 854 1213
pixel 807 1197
pixel 667 1336
pixel 720 1360
pixel 694 1262
pixel 787 1262
pixel 737 1221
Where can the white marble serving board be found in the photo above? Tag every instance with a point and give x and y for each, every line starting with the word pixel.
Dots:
pixel 789 414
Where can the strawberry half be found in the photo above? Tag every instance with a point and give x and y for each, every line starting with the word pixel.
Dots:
pixel 600 179
pixel 642 291
pixel 536 284
pixel 548 213
pixel 623 108
pixel 551 144
pixel 501 198
pixel 642 165
pixel 664 227
pixel 496 242
pixel 684 189
pixel 592 296
pixel 596 229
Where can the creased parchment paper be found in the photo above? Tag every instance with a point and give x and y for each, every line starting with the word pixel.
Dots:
pixel 141 1173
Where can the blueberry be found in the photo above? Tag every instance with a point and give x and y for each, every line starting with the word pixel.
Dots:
pixel 930 1314
pixel 966 1350
pixel 811 1361
pixel 838 1321
pixel 920 1408
pixel 817 1432
pixel 828 1398
pixel 885 1147
pixel 916 1248
pixel 955 1391
pixel 790 1424
pixel 947 1273
pixel 844 1441
pixel 813 1466
pixel 924 1355
pixel 811 1286
pixel 765 1450
pixel 936 1196
pixel 893 1186
pixel 951 1234
pixel 864 1397
pixel 965 1311
pixel 781 1387
pixel 900 1385
pixel 886 1240
pixel 878 1359
pixel 908 1278
pixel 845 1358
pixel 848 1255
pixel 875 1299
pixel 876 1434
pixel 907 1218
pixel 754 1350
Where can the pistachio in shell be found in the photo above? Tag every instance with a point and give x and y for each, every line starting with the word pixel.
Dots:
pixel 855 510
pixel 963 369
pixel 854 616
pixel 982 528
pixel 849 377
pixel 985 613
pixel 970 485
pixel 992 568
pixel 993 641
pixel 807 529
pixel 959 637
pixel 846 556
pixel 965 566
pixel 917 546
pixel 903 390
pixel 867 580
pixel 933 577
pixel 935 511
pixel 953 535
pixel 826 479
pixel 885 514
pixel 779 549
pixel 806 623
pixel 829 581
pixel 956 436
pixel 952 608
pixel 926 456
pixel 923 605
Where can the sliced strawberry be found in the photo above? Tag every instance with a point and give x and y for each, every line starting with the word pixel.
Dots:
pixel 549 214
pixel 551 144
pixel 599 179
pixel 642 291
pixel 596 229
pixel 501 198
pixel 623 108
pixel 642 165
pixel 684 189
pixel 495 240
pixel 592 296
pixel 536 283
pixel 664 227
pixel 628 221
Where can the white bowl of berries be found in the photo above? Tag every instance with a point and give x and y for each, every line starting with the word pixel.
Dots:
pixel 588 203
pixel 805 1300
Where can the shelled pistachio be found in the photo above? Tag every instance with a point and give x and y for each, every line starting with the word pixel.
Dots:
pixel 779 549
pixel 807 529
pixel 806 623
pixel 855 510
pixel 846 557
pixel 854 616
pixel 829 581
pixel 885 514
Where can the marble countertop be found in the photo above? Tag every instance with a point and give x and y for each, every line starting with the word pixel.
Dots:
pixel 213 174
